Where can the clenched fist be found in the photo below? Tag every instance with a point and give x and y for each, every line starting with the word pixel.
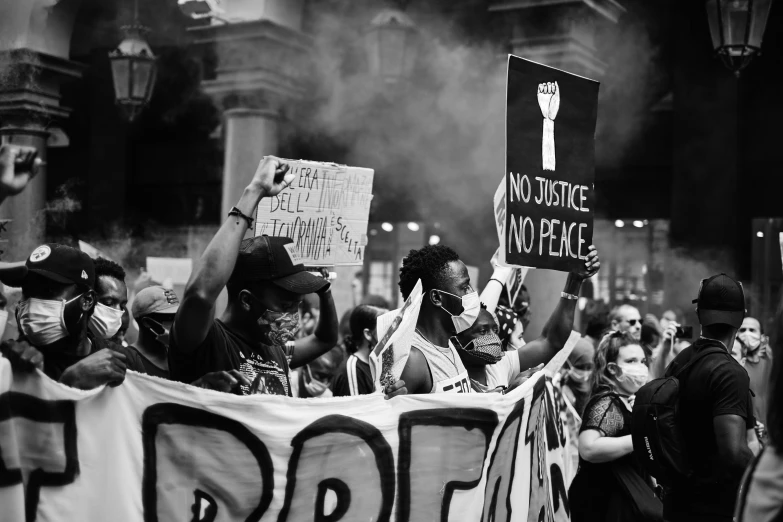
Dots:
pixel 549 99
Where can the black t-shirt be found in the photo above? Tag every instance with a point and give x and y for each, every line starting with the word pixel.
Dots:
pixel 354 379
pixel 57 361
pixel 150 368
pixel 716 385
pixel 224 350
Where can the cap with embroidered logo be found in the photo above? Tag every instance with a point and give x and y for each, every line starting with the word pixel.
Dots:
pixel 60 263
pixel 154 300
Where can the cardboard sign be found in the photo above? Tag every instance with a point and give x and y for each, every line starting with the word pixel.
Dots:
pixel 550 161
pixel 325 211
pixel 152 449
pixel 170 270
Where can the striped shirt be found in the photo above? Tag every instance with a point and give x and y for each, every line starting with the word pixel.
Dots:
pixel 354 379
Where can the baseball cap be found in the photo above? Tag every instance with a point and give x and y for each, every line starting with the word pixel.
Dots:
pixel 721 300
pixel 275 259
pixel 154 300
pixel 59 263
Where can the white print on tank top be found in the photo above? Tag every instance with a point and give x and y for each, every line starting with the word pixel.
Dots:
pixel 459 384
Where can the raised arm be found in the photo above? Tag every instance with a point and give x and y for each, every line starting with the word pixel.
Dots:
pixel 213 270
pixel 325 336
pixel 491 293
pixel 561 322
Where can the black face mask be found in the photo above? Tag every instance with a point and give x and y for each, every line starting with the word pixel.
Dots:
pixel 160 332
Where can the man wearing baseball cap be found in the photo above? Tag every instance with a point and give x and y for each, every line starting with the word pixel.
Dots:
pixel 154 309
pixel 251 347
pixel 716 412
pixel 58 299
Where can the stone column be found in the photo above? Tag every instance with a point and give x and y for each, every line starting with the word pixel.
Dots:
pixel 250 135
pixel 25 210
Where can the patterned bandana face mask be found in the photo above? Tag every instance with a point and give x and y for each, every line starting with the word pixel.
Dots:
pixel 283 326
pixel 487 348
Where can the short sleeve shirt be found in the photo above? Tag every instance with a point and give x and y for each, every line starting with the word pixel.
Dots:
pixel 354 379
pixel 502 372
pixel 716 385
pixel 225 350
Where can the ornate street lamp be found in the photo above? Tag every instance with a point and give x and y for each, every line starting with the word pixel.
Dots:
pixel 391 44
pixel 737 28
pixel 134 70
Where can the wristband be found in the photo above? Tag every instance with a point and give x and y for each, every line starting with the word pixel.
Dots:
pixel 238 213
pixel 498 280
pixel 568 296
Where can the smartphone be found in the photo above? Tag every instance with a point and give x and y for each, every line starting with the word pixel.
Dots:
pixel 684 332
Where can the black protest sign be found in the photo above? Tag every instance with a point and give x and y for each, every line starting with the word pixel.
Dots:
pixel 550 162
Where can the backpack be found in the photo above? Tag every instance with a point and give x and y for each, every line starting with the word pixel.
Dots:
pixel 655 426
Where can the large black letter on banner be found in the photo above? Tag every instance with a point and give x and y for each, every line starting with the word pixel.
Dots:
pixel 348 457
pixel 500 475
pixel 194 454
pixel 441 450
pixel 51 421
pixel 542 436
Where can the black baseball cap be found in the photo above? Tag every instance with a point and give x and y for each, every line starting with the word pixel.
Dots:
pixel 275 259
pixel 60 263
pixel 721 300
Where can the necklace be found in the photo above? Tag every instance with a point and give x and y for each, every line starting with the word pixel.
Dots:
pixel 450 356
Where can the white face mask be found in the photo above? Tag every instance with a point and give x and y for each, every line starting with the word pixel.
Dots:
pixel 316 388
pixel 634 376
pixel 41 320
pixel 106 321
pixel 471 306
pixel 751 339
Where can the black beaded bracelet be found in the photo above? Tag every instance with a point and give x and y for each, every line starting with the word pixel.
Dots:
pixel 238 213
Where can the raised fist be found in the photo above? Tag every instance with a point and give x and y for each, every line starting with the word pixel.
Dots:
pixel 549 99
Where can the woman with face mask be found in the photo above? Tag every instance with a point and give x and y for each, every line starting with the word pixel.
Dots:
pixel 355 378
pixel 608 478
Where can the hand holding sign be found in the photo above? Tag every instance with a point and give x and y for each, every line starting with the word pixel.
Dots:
pixel 591 266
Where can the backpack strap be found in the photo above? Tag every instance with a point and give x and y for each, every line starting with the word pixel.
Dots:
pixel 708 350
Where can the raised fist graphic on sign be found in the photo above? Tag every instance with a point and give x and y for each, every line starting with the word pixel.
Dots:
pixel 549 101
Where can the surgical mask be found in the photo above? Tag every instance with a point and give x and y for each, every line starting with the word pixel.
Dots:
pixel 316 388
pixel 106 321
pixel 579 376
pixel 42 321
pixel 283 326
pixel 487 347
pixel 750 339
pixel 471 306
pixel 633 375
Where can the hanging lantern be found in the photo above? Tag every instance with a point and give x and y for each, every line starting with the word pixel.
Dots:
pixel 134 70
pixel 737 28
pixel 391 44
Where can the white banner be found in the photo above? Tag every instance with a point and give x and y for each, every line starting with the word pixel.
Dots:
pixel 153 450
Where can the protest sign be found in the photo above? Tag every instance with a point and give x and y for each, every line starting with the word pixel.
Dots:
pixel 156 450
pixel 550 160
pixel 325 211
pixel 395 334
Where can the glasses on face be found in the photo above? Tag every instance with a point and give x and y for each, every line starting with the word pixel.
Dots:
pixel 632 322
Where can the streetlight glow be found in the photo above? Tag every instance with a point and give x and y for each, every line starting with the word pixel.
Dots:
pixel 388 227
pixel 619 223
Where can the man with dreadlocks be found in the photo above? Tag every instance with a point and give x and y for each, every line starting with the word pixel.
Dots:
pixel 451 307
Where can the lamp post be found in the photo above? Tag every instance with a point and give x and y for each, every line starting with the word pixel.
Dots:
pixel 391 42
pixel 737 28
pixel 133 69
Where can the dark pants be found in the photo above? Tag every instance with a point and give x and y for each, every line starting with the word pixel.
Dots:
pixel 687 517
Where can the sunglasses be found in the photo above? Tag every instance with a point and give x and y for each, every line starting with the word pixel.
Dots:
pixel 633 322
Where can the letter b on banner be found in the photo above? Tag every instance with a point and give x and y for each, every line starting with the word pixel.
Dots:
pixel 341 467
pixel 200 466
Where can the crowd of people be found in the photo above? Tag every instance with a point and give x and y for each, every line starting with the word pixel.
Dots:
pixel 280 334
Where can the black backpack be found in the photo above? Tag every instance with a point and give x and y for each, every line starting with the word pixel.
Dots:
pixel 655 427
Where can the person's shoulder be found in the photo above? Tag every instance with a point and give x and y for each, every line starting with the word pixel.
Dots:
pixel 217 330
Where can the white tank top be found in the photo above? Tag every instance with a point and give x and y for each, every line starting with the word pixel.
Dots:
pixel 448 373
